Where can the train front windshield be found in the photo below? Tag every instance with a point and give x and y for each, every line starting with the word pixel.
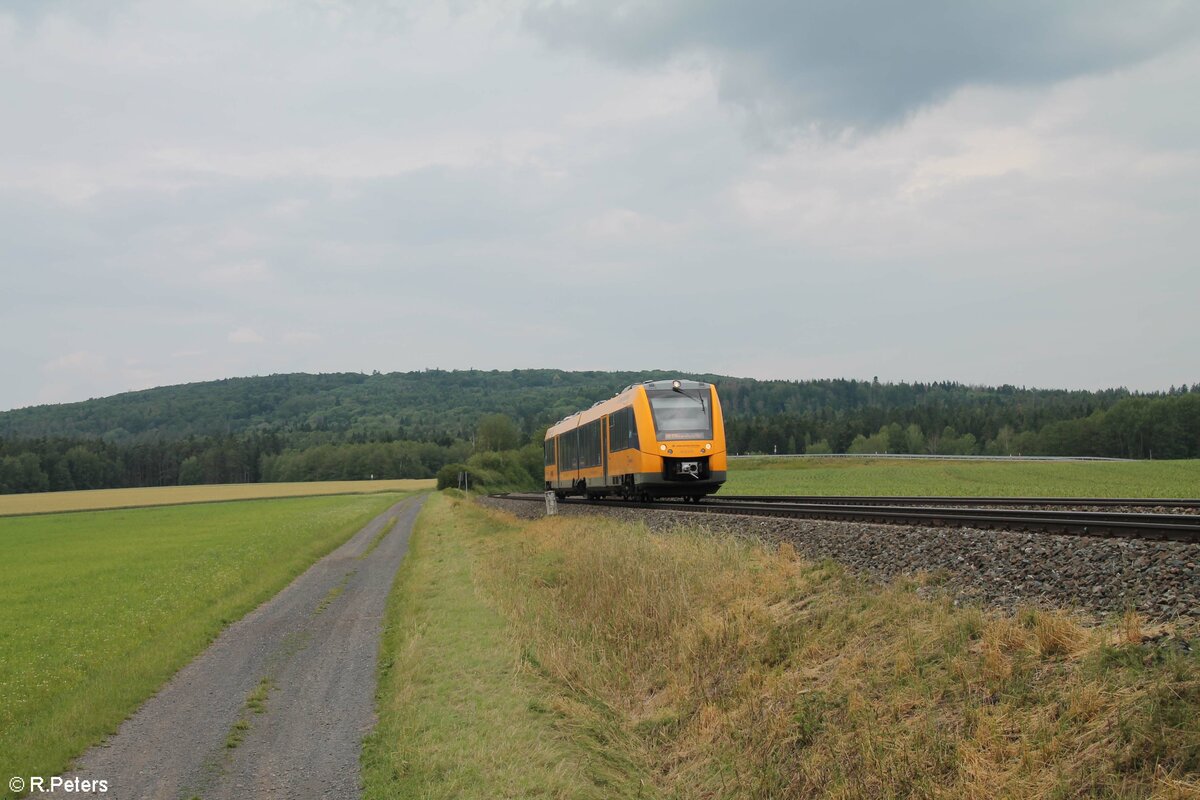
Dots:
pixel 682 415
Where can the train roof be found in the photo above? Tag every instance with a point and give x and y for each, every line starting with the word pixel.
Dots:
pixel 683 384
pixel 601 407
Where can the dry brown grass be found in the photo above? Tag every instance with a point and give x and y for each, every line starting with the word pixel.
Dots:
pixel 731 670
pixel 101 499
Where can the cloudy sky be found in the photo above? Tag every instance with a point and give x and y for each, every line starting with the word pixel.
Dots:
pixel 1000 192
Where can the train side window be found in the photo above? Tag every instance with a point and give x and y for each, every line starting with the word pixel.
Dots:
pixel 622 431
pixel 598 442
pixel 591 444
pixel 549 452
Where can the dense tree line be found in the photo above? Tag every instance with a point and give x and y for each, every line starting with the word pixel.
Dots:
pixel 417 425
pixel 1163 426
pixel 379 460
pixel 63 463
pixel 59 464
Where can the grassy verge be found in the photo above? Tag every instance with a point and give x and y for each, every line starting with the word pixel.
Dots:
pixel 711 667
pixel 103 499
pixel 461 715
pixel 101 608
pixel 966 478
pixel 256 703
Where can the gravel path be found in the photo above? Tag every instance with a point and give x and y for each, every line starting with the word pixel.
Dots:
pixel 1003 569
pixel 290 686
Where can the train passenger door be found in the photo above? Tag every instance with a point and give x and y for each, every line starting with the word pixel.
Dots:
pixel 604 447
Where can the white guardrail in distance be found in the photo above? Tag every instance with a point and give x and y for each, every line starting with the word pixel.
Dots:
pixel 923 456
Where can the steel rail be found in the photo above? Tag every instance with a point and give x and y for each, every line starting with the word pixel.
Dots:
pixel 883 500
pixel 1176 527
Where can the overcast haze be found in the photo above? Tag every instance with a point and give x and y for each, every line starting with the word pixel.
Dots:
pixel 988 193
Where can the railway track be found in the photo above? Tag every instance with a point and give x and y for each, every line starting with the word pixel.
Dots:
pixel 970 502
pixel 997 513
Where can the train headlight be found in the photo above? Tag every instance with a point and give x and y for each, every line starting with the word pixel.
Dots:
pixel 708 446
pixel 662 447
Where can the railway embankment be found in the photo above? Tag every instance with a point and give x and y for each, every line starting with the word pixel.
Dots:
pixel 999 569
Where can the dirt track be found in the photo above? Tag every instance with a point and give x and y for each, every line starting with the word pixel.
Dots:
pixel 314 646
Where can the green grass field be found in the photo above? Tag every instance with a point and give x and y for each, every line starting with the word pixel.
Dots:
pixel 813 476
pixel 101 608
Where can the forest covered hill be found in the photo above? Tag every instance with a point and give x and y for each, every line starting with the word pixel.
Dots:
pixel 410 424
pixel 423 406
pixel 433 404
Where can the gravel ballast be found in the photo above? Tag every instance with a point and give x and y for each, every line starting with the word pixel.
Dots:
pixel 1003 569
pixel 278 705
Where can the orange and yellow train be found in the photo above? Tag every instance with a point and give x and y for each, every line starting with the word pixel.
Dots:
pixel 653 439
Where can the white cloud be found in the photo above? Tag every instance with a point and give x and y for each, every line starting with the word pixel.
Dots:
pixel 301 337
pixel 78 361
pixel 653 97
pixel 960 190
pixel 245 336
pixel 624 225
pixel 237 274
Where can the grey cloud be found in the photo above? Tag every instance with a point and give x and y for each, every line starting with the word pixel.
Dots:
pixel 365 196
pixel 835 64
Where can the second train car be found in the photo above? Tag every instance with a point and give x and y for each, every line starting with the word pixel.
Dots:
pixel 653 439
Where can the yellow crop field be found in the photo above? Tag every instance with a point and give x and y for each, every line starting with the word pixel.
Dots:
pixel 99 499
